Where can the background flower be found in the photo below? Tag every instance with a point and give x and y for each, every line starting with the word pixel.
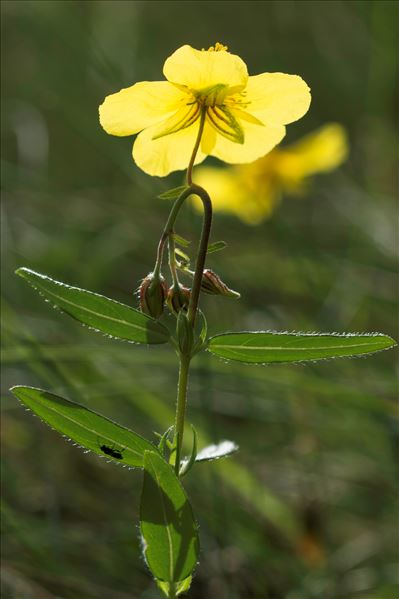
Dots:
pixel 252 191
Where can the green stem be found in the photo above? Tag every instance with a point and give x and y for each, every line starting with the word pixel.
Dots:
pixel 195 292
pixel 202 251
pixel 172 259
pixel 168 229
pixel 196 146
pixel 172 590
pixel 158 263
pixel 203 246
pixel 191 315
pixel 181 407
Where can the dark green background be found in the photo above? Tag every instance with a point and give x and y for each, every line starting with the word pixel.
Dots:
pixel 317 517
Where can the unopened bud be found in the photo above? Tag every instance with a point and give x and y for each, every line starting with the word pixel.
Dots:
pixel 178 298
pixel 153 292
pixel 211 283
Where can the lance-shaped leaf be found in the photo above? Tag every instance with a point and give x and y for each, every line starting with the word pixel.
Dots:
pixel 98 312
pixel 266 347
pixel 87 428
pixel 216 246
pixel 180 240
pixel 173 194
pixel 168 528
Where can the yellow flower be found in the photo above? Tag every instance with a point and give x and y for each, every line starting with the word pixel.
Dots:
pixel 252 191
pixel 243 117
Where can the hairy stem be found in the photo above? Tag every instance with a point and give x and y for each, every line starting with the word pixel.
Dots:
pixel 196 288
pixel 202 250
pixel 191 315
pixel 181 407
pixel 172 259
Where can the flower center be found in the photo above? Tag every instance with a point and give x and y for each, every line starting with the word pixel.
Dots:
pixel 211 96
pixel 217 101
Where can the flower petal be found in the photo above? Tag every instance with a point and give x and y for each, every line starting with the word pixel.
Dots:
pixel 277 98
pixel 230 193
pixel 320 151
pixel 139 106
pixel 199 69
pixel 222 186
pixel 258 141
pixel 160 156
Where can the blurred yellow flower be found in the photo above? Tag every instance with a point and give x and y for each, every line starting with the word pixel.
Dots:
pixel 252 191
pixel 239 118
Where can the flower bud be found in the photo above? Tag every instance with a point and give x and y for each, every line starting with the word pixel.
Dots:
pixel 178 298
pixel 211 283
pixel 152 293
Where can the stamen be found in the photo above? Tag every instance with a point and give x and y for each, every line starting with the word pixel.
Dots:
pixel 213 95
pixel 216 48
pixel 225 123
pixel 178 122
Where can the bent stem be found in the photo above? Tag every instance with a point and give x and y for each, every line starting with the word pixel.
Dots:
pixel 202 251
pixel 168 229
pixel 191 315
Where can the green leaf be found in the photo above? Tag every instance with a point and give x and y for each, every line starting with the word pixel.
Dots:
pixel 87 428
pixel 183 256
pixel 216 246
pixel 266 347
pixel 215 452
pixel 98 312
pixel 173 194
pixel 201 333
pixel 163 440
pixel 168 528
pixel 180 587
pixel 180 240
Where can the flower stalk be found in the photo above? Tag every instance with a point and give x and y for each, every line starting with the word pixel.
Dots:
pixel 167 235
pixel 196 146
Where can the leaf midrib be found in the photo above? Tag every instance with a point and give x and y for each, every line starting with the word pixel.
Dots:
pixel 167 526
pixel 79 424
pixel 270 348
pixel 104 316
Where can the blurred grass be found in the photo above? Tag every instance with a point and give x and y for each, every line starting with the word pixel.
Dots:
pixel 315 515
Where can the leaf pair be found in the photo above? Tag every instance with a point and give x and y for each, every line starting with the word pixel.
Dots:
pixel 259 347
pixel 168 528
pixel 99 434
